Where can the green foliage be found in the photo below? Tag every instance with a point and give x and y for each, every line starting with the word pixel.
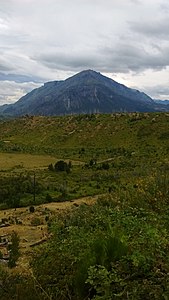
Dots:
pixel 36 221
pixel 104 251
pixel 48 198
pixel 19 286
pixel 100 280
pixel 31 209
pixel 114 249
pixel 14 188
pixel 117 248
pixel 61 166
pixel 119 143
pixel 13 250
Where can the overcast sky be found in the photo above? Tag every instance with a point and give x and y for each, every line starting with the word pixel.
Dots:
pixel 44 40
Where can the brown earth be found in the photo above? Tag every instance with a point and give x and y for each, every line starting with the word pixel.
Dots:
pixel 32 227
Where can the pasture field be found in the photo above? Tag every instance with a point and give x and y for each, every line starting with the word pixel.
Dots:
pixel 19 161
pixel 25 161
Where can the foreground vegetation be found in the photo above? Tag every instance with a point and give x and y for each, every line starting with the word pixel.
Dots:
pixel 115 249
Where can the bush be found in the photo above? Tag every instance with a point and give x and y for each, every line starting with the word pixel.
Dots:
pixel 31 209
pixel 36 221
pixel 49 198
pixel 61 166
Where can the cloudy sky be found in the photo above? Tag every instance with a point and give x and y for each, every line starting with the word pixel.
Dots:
pixel 44 40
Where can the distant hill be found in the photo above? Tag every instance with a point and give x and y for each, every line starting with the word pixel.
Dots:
pixel 165 102
pixel 85 92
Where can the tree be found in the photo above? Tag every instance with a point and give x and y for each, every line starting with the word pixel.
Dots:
pixel 61 165
pixel 13 250
pixel 31 209
pixel 49 198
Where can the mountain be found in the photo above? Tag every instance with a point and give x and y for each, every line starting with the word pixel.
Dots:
pixel 165 102
pixel 3 108
pixel 85 92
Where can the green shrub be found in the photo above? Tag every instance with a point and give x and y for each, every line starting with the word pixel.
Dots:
pixel 61 166
pixel 31 209
pixel 49 198
pixel 13 250
pixel 36 221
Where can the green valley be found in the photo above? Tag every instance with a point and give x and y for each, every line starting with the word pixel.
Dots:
pixel 116 248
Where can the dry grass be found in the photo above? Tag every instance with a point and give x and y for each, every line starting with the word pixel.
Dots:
pixel 26 161
pixel 10 161
pixel 30 234
pixel 55 206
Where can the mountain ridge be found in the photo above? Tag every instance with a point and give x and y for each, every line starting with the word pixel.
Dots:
pixel 85 92
pixel 164 102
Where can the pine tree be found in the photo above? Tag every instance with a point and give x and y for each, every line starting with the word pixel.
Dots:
pixel 13 250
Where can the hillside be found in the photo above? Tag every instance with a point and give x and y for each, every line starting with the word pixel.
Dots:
pixel 101 222
pixel 98 133
pixel 123 145
pixel 85 92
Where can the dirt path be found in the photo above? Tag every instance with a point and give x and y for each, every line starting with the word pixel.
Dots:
pixel 54 206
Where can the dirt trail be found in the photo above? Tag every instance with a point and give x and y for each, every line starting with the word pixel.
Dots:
pixel 64 205
pixel 54 206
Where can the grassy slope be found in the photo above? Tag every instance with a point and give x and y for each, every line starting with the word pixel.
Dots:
pixel 136 146
pixel 133 144
pixel 135 132
pixel 9 161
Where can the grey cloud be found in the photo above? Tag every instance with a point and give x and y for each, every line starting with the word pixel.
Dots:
pixel 164 6
pixel 157 91
pixel 59 37
pixel 12 91
pixel 65 61
pixel 152 29
pixel 137 59
pixel 19 78
pixel 4 67
pixel 136 1
pixel 120 58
